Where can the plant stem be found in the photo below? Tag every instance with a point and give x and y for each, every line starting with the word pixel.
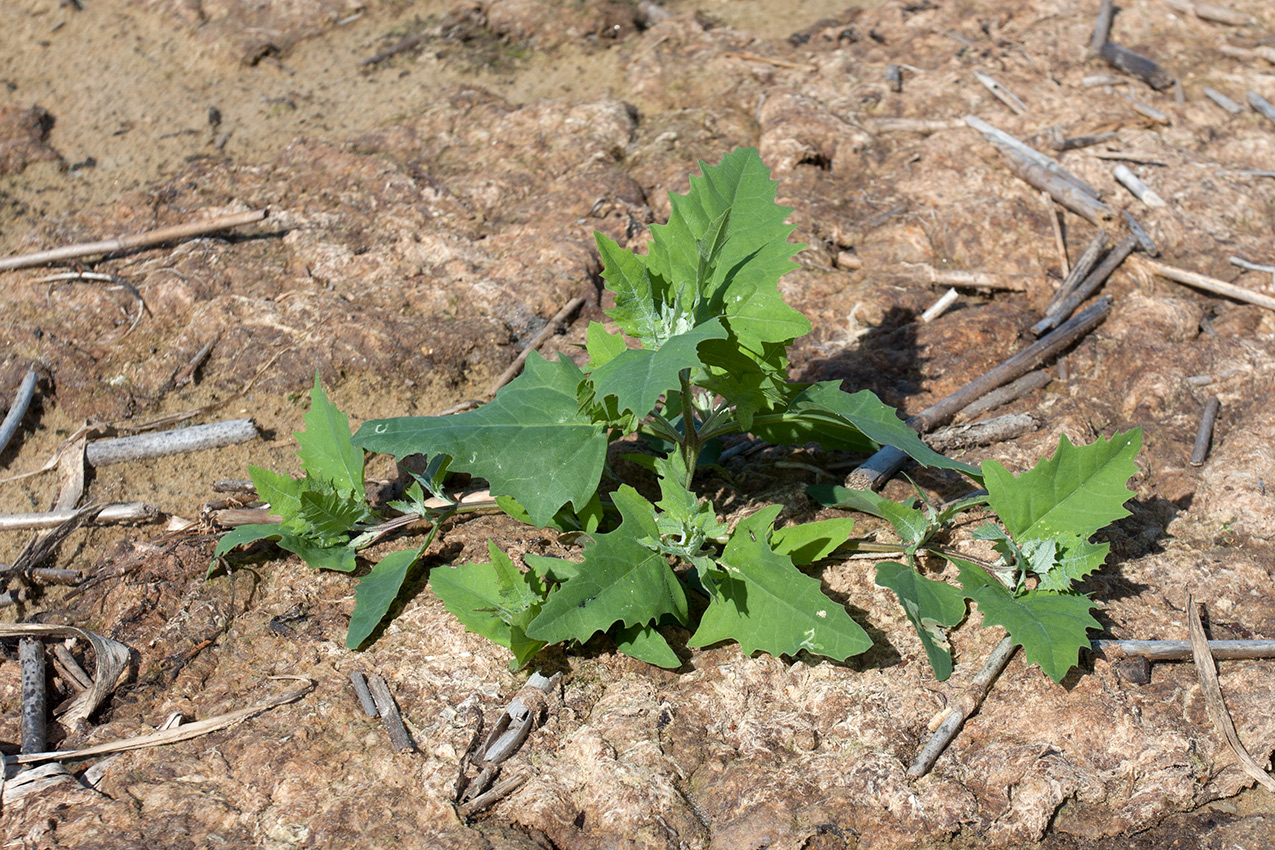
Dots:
pixel 691 437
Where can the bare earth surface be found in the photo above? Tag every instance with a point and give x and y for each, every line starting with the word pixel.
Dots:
pixel 430 212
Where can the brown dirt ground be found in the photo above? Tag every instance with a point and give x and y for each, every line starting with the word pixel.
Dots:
pixel 429 213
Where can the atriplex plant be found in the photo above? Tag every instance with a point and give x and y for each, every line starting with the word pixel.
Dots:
pixel 712 334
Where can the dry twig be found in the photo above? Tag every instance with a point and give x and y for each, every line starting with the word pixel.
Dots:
pixel 128 243
pixel 539 340
pixel 1204 435
pixel 1206 671
pixel 163 443
pixel 1209 284
pixel 960 710
pixel 17 410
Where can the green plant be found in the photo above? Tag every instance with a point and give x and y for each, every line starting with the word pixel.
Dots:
pixel 318 513
pixel 701 353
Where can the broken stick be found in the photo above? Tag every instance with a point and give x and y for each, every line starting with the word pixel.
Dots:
pixel 960 710
pixel 1137 65
pixel 1209 284
pixel 17 410
pixel 537 341
pixel 128 243
pixel 163 443
pixel 1204 436
pixel 889 460
pixel 1180 650
pixel 1088 287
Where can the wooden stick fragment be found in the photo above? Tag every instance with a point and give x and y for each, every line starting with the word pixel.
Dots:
pixel 939 307
pixel 894 77
pixel 1137 65
pixel 1088 286
pixel 977 280
pixel 888 460
pixel 1061 143
pixel 401 46
pixel 163 443
pixel 1149 111
pixel 1102 26
pixel 1204 435
pixel 1083 266
pixel 359 681
pixel 1223 101
pixel 492 796
pixel 1209 284
pixel 128 243
pixel 172 736
pixel 537 341
pixel 1015 389
pixel 388 709
pixel 1206 672
pixel 987 432
pixel 778 63
pixel 1001 93
pixel 17 410
pixel 1210 12
pixel 1145 243
pixel 35 710
pixel 1260 103
pixel 1060 242
pixel 960 710
pixel 924 126
pixel 1004 140
pixel 1064 192
pixel 126 512
pixel 1180 650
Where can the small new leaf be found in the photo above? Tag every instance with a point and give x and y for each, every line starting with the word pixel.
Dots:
pixel 326 451
pixel 495 600
pixel 811 541
pixel 637 377
pixel 646 644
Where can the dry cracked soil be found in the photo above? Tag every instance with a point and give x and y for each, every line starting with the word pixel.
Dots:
pixel 430 210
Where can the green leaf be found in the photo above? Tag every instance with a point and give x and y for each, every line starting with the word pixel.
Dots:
pixel 317 554
pixel 1076 492
pixel 242 536
pixel 765 603
pixel 1076 559
pixel 639 300
pixel 750 381
pixel 638 377
pixel 531 442
pixel 1051 627
pixel 281 492
pixel 646 644
pixel 841 421
pixel 602 345
pixel 330 516
pixel 751 251
pixel 911 524
pixel 811 541
pixel 326 451
pixel 621 580
pixel 494 600
pixel 931 606
pixel 376 592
